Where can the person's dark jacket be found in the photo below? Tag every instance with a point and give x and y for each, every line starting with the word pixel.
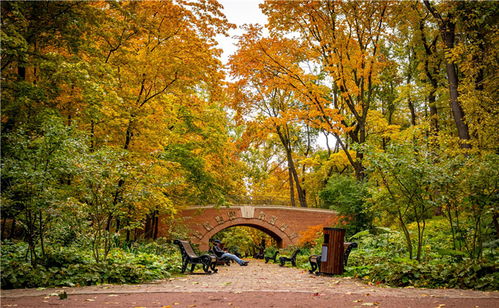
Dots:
pixel 218 251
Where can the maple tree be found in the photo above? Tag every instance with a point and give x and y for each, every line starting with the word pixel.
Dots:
pixel 115 114
pixel 138 79
pixel 271 110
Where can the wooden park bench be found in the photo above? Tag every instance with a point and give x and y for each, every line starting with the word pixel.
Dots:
pixel 209 262
pixel 315 260
pixel 291 259
pixel 273 258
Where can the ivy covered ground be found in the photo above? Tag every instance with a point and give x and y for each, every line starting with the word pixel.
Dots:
pixel 379 259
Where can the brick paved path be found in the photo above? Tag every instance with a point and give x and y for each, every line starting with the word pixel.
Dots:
pixel 264 285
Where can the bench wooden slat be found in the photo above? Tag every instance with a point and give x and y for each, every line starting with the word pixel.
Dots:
pixel 190 257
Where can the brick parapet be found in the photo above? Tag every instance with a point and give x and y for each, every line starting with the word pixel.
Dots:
pixel 282 223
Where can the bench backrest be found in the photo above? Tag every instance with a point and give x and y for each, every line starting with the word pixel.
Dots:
pixel 187 248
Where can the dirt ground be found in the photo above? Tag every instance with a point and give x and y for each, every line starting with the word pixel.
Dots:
pixel 257 285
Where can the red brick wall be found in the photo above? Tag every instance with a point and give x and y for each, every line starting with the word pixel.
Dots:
pixel 282 223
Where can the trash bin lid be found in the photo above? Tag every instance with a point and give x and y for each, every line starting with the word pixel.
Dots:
pixel 334 229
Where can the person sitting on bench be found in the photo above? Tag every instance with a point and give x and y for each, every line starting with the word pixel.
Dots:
pixel 224 254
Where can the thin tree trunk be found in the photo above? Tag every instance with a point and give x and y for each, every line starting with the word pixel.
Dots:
pixel 156 225
pixel 291 189
pixel 12 228
pixel 448 33
pixel 457 110
pixel 299 190
pixel 4 221
pixel 430 74
pixel 291 167
pixel 409 98
pixel 432 104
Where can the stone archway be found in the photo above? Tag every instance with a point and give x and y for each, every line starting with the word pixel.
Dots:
pixel 284 223
pixel 281 238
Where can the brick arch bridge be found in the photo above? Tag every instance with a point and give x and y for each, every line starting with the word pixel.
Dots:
pixel 283 223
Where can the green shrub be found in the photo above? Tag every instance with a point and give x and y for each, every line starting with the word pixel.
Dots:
pixel 72 266
pixel 405 272
pixel 381 258
pixel 347 196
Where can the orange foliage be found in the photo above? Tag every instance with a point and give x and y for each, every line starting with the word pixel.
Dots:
pixel 311 234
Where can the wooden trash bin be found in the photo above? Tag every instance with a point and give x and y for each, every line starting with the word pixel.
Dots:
pixel 332 251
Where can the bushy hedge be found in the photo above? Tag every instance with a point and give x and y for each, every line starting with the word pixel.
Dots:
pixel 71 266
pixel 442 274
pixel 381 258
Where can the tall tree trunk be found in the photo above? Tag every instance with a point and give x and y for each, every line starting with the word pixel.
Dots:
pixel 156 225
pixel 431 75
pixel 4 221
pixel 291 167
pixel 12 228
pixel 299 190
pixel 432 104
pixel 448 33
pixel 291 189
pixel 457 110
pixel 147 227
pixel 409 98
pixel 92 136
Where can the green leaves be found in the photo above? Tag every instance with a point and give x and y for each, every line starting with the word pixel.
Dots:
pixel 349 197
pixel 72 266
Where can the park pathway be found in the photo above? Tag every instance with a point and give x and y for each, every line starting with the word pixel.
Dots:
pixel 257 285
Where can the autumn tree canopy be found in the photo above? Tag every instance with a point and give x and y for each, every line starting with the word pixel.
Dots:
pixel 115 114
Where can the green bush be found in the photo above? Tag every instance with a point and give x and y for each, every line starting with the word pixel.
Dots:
pixel 404 272
pixel 381 258
pixel 347 196
pixel 71 266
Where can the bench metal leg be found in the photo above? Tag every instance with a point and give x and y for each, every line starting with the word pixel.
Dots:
pixel 184 265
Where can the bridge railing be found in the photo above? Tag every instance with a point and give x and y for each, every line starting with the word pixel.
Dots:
pixel 259 200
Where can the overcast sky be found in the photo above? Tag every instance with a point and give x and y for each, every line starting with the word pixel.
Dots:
pixel 239 12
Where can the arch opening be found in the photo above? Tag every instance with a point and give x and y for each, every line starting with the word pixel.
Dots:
pixel 281 238
pixel 247 239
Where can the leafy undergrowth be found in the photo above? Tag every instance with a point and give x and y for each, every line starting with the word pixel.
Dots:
pixel 71 266
pixel 382 259
pixel 404 273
